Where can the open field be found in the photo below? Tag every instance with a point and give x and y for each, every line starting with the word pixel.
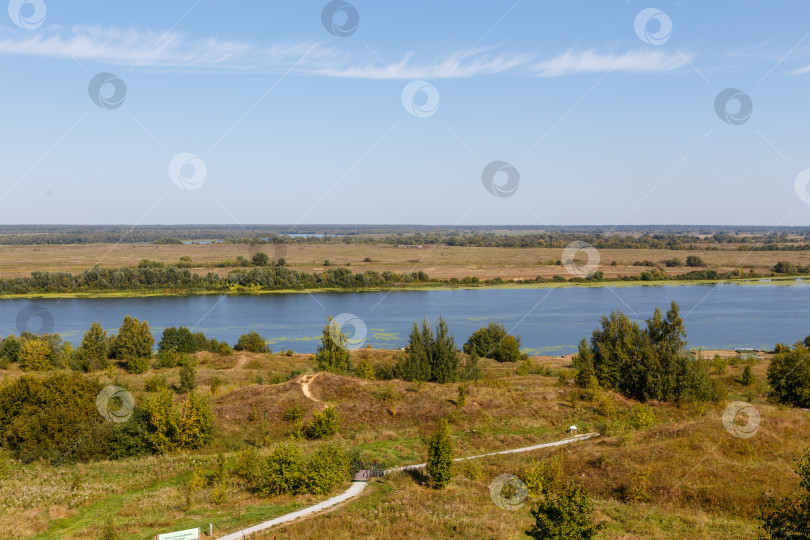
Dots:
pixel 703 482
pixel 440 262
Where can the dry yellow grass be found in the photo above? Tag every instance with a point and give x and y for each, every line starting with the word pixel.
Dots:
pixel 704 482
pixel 442 262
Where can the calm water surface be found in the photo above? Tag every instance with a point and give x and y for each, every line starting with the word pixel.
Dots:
pixel 550 321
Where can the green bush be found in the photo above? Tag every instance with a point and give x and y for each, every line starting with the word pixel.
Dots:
pixel 642 417
pixel 138 364
pixel 508 350
pixel 260 259
pixel 492 341
pixel 694 261
pixel 248 466
pixel 53 418
pixel 196 421
pixel 155 383
pixel 789 376
pixel 325 469
pixel 252 342
pixel 364 370
pixel 440 456
pixel 324 424
pixel 10 349
pixel 282 472
pixel 288 471
pixel 169 359
pixel 789 517
pixel 462 397
pixel 566 516
pixel 188 377
pixel 34 355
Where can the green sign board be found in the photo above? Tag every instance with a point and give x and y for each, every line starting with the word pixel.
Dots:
pixel 188 534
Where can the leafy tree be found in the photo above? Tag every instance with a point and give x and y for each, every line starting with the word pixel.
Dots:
pixel 430 357
pixel 52 418
pixel 614 348
pixel 92 354
pixel 10 350
pixel 333 353
pixel 260 259
pixel 252 342
pixel 188 376
pixel 789 518
pixel 694 261
pixel 649 364
pixel 196 422
pixel 508 350
pixel 35 355
pixel 492 341
pixel 785 267
pixel 162 423
pixel 747 376
pixel 484 340
pixel 179 340
pixel 583 361
pixel 789 376
pixel 566 516
pixel 440 456
pixel 134 340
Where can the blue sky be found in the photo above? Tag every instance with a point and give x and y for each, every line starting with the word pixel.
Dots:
pixel 292 124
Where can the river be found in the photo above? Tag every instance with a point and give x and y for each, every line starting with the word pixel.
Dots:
pixel 549 320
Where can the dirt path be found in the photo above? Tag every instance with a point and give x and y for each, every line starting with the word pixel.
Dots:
pixel 358 487
pixel 305 382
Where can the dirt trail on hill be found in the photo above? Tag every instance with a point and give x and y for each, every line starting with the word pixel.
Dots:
pixel 305 382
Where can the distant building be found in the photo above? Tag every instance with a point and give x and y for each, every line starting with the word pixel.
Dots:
pixel 747 354
pixel 410 246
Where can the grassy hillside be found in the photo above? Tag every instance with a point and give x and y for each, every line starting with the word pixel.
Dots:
pixel 701 481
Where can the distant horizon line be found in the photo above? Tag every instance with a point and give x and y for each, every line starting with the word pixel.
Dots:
pixel 401 225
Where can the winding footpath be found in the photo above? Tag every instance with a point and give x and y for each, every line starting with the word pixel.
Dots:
pixel 358 487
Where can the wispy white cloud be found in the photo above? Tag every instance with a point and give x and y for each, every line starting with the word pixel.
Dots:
pixel 635 61
pixel 174 50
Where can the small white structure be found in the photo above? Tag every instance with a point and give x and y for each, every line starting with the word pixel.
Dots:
pixel 572 430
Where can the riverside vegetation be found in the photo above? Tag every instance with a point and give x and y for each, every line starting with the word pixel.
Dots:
pixel 225 433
